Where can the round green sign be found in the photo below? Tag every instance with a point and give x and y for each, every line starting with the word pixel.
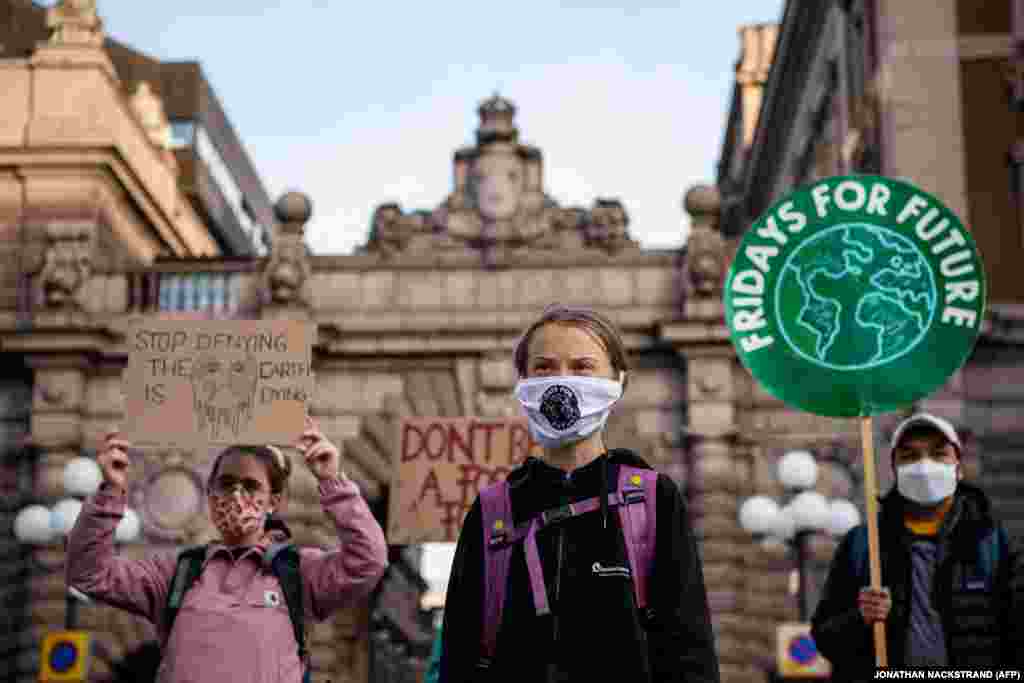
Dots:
pixel 855 295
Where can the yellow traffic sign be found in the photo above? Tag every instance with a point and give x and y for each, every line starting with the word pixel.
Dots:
pixel 66 656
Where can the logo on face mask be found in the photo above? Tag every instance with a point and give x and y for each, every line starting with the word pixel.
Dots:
pixel 560 406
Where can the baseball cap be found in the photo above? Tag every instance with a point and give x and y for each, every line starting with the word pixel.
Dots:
pixel 926 420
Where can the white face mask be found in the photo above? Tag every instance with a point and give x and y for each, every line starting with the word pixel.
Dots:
pixel 567 408
pixel 926 482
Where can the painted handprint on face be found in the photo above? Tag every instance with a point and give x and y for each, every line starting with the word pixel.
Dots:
pixel 223 392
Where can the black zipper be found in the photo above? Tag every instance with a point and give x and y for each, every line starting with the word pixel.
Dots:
pixel 554 666
pixel 554 673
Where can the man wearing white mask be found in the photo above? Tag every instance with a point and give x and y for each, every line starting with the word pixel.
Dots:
pixel 954 580
pixel 578 601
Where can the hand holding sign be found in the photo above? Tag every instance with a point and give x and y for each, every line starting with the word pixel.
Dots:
pixel 854 296
pixel 874 605
pixel 321 456
pixel 113 461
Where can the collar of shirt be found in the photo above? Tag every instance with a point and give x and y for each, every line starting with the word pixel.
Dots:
pixel 928 525
pixel 236 553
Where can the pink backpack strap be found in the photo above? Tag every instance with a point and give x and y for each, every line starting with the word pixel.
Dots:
pixel 639 525
pixel 496 509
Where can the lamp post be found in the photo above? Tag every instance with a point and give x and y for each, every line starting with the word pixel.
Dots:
pixel 38 525
pixel 804 513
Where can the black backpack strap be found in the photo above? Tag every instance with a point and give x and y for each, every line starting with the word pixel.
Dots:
pixel 283 560
pixel 190 565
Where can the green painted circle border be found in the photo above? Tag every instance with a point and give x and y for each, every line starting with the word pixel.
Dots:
pixel 814 389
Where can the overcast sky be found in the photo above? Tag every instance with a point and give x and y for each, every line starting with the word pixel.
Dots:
pixel 361 103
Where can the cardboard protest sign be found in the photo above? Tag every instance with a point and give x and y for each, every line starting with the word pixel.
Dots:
pixel 217 382
pixel 855 295
pixel 440 467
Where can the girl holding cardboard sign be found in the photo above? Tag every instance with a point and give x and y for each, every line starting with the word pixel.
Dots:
pixel 582 565
pixel 242 619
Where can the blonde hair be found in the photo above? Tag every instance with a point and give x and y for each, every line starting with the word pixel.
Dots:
pixel 585 318
pixel 279 466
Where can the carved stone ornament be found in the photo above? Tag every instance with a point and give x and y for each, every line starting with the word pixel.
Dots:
pixel 67 263
pixel 607 228
pixel 393 232
pixel 167 492
pixel 52 392
pixel 498 201
pixel 74 22
pixel 705 249
pixel 149 109
pixel 287 273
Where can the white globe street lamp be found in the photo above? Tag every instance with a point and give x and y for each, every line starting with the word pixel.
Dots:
pixel 785 524
pixel 758 515
pixel 65 513
pixel 843 516
pixel 32 525
pixel 798 470
pixel 82 477
pixel 39 525
pixel 806 513
pixel 810 511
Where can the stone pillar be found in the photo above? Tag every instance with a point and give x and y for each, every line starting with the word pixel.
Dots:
pixel 714 456
pixel 56 433
pixel 286 277
pixel 714 484
pixel 705 256
pixel 56 427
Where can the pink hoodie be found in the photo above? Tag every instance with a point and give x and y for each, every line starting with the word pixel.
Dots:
pixel 233 624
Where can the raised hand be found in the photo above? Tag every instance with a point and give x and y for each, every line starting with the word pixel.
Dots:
pixel 322 457
pixel 113 460
pixel 874 605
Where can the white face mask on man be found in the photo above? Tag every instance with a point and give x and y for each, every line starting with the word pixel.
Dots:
pixel 926 482
pixel 565 409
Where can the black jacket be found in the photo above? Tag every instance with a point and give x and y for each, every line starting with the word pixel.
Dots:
pixel 983 625
pixel 595 632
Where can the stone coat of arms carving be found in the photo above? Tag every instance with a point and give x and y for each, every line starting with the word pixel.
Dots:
pixel 498 201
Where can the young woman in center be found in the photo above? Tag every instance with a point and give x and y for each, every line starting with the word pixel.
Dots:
pixel 572 371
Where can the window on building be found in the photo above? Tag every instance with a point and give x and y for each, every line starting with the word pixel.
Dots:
pixel 216 293
pixel 182 134
pixel 208 152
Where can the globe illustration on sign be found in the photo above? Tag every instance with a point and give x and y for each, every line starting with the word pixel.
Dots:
pixel 857 296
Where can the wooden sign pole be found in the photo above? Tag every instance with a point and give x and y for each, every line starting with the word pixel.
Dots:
pixel 874 556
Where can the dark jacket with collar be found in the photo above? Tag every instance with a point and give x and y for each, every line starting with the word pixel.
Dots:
pixel 595 632
pixel 983 623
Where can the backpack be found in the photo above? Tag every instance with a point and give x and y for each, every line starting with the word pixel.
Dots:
pixel 993 548
pixel 280 558
pixel 636 485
